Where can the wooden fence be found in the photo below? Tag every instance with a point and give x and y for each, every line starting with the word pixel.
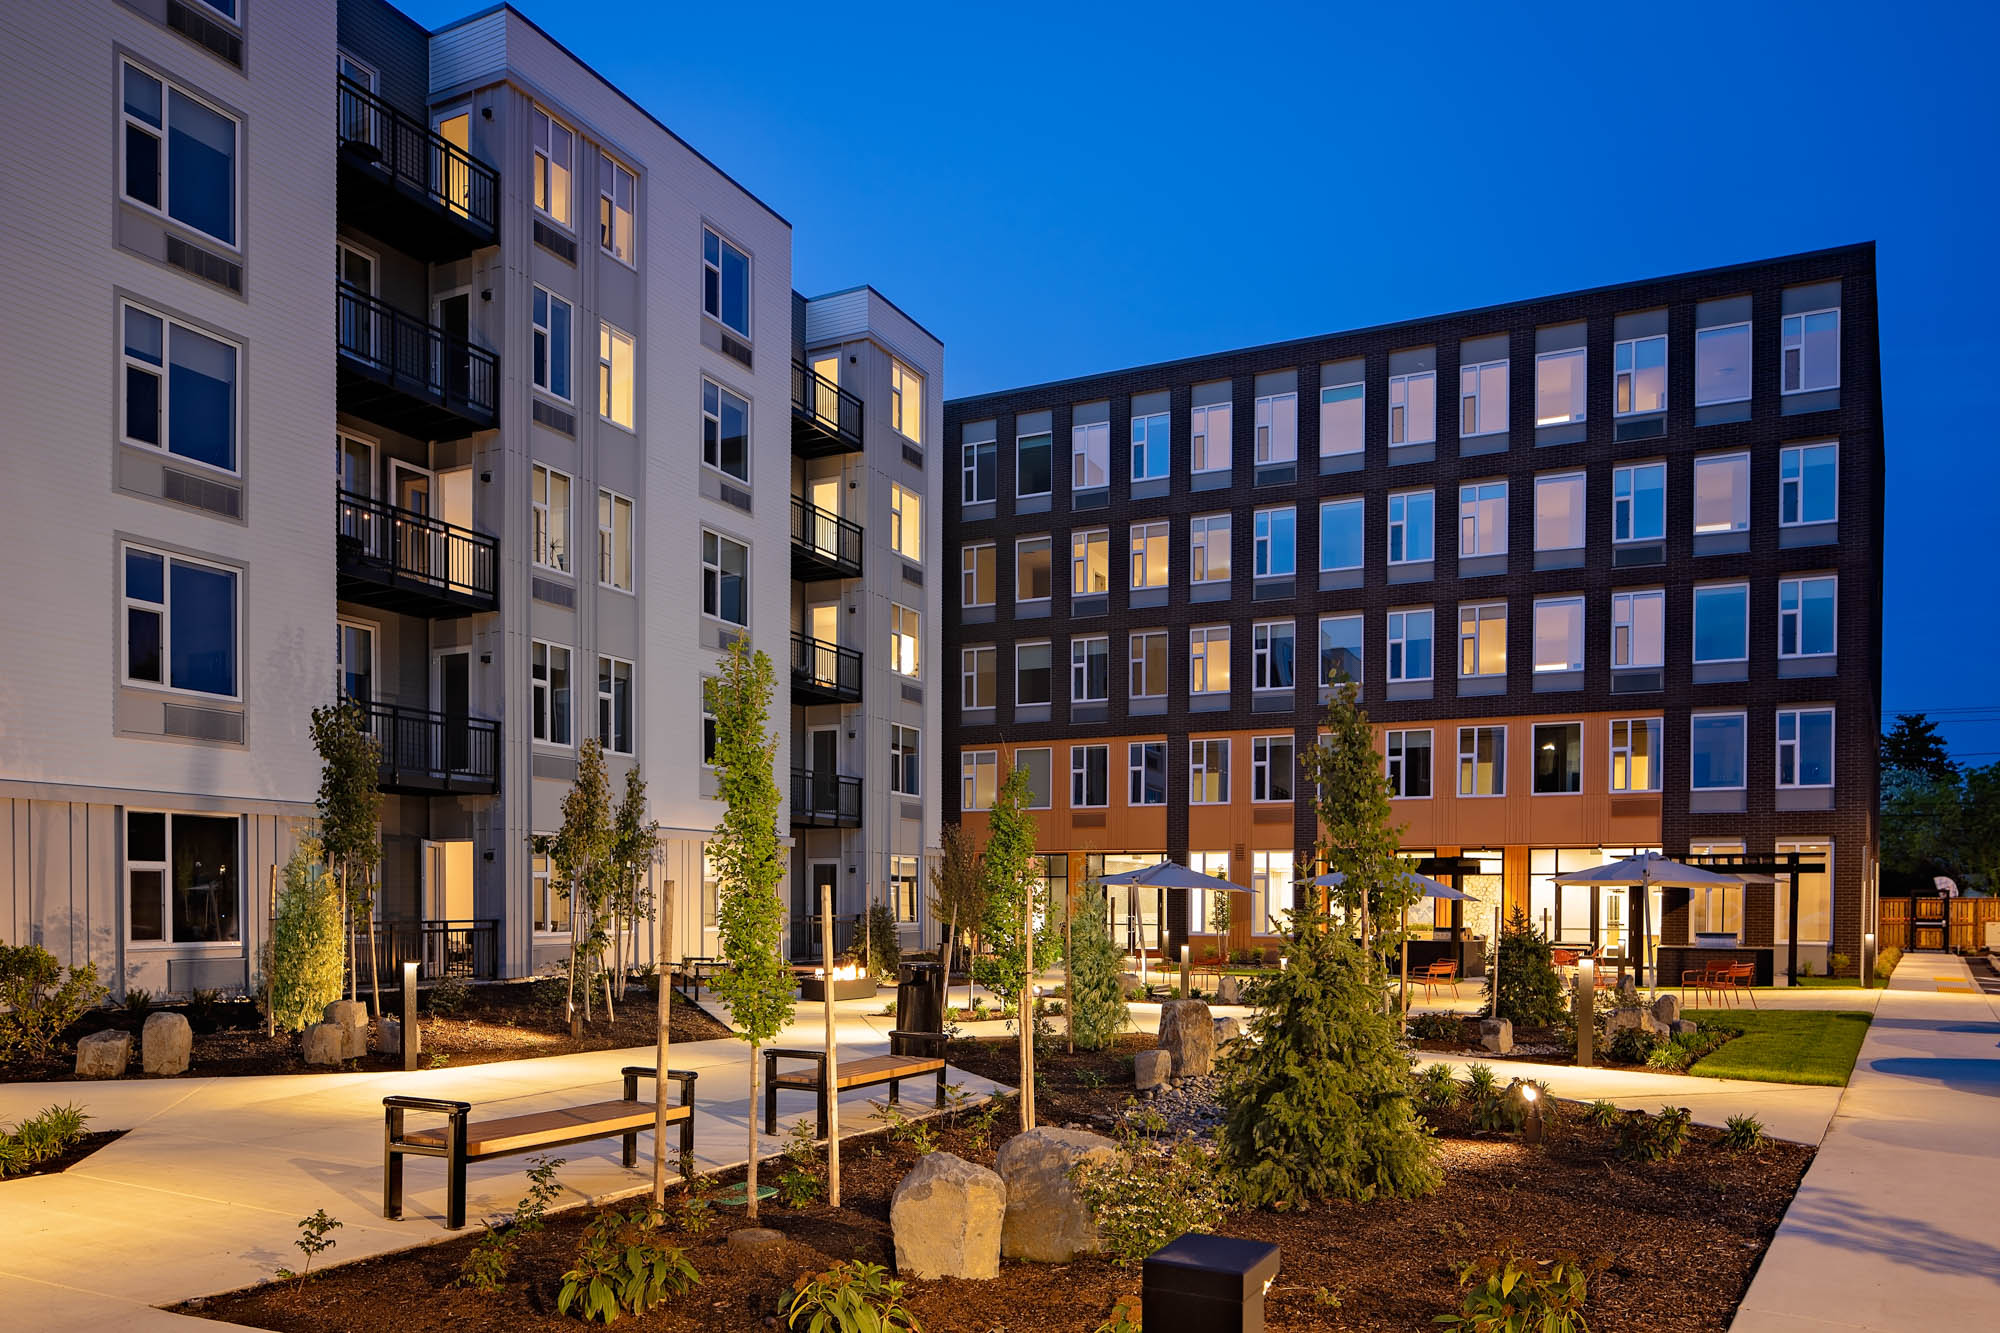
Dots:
pixel 1958 923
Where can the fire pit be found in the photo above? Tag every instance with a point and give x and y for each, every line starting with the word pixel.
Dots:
pixel 850 982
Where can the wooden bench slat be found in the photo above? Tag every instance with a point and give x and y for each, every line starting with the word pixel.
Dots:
pixel 510 1134
pixel 869 1069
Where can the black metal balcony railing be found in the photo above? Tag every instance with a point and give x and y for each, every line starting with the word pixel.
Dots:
pixel 824 545
pixel 405 561
pixel 432 374
pixel 824 672
pixel 468 949
pixel 422 751
pixel 826 419
pixel 421 163
pixel 825 800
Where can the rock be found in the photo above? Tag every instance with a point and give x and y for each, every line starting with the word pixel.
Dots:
pixel 1683 1027
pixel 1047 1220
pixel 1187 1032
pixel 754 1239
pixel 389 1037
pixel 1497 1035
pixel 1228 1031
pixel 1229 990
pixel 1151 1068
pixel 323 1044
pixel 104 1054
pixel 946 1216
pixel 166 1043
pixel 1628 990
pixel 352 1016
pixel 1667 1008
pixel 1130 985
pixel 1632 1016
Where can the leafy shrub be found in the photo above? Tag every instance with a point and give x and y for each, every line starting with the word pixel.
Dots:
pixel 1631 1046
pixel 885 945
pixel 1742 1132
pixel 307 953
pixel 138 1002
pixel 204 1010
pixel 1436 1027
pixel 40 1138
pixel 1493 1108
pixel 485 1268
pixel 799 1184
pixel 1507 1292
pixel 1656 1138
pixel 549 994
pixel 1672 1055
pixel 1480 1080
pixel 905 1128
pixel 1885 962
pixel 450 996
pixel 1128 1310
pixel 1437 1088
pixel 850 1297
pixel 1837 964
pixel 624 1266
pixel 39 1000
pixel 1531 993
pixel 1805 967
pixel 1097 1007
pixel 314 1240
pixel 1157 1192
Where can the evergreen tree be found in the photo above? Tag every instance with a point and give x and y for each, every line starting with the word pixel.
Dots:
pixel 582 870
pixel 1355 835
pixel 1914 746
pixel 350 815
pixel 1096 998
pixel 1013 875
pixel 1531 994
pixel 306 952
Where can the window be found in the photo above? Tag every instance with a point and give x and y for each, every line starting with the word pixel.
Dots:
pixel 906 525
pixel 1722 622
pixel 1815 893
pixel 1558 634
pixel 1271 889
pixel 1041 783
pixel 905 641
pixel 1722 493
pixel 1208 440
pixel 551 346
pixel 725 431
pixel 182 877
pixel 1090 562
pixel 1639 502
pixel 1152 445
pixel 906 401
pixel 1208 772
pixel 1810 344
pixel 1271 765
pixel 1343 419
pixel 549 671
pixel 1482 640
pixel 1208 659
pixel 1031 673
pixel 1412 524
pixel 1408 755
pixel 978 774
pixel 550 903
pixel 1715 752
pixel 1033 470
pixel 1639 628
pixel 614 375
pixel 1090 669
pixel 614 705
pixel 1208 548
pixel 976 586
pixel 1482 761
pixel 1339 649
pixel 618 193
pixel 354 660
pixel 1635 754
pixel 181 394
pixel 1413 408
pixel 903 887
pixel 1409 640
pixel 977 685
pixel 1805 617
pixel 976 482
pixel 1274 546
pixel 1150 543
pixel 1148 764
pixel 1722 364
pixel 180 623
pixel 1340 534
pixel 1090 456
pixel 1805 747
pixel 548 498
pixel 905 762
pixel 1559 512
pixel 180 156
pixel 1271 654
pixel 725 283
pixel 614 541
pixel 725 573
pixel 1559 387
pixel 1278 428
pixel 1031 569
pixel 1482 398
pixel 1808 484
pixel 1089 775
pixel 1558 758
pixel 707 725
pixel 1482 519
pixel 1639 375
pixel 1149 664
pixel 555 148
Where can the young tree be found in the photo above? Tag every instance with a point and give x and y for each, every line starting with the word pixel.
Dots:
pixel 305 955
pixel 958 894
pixel 350 814
pixel 582 870
pixel 1013 876
pixel 1355 835
pixel 749 916
pixel 1096 999
pixel 635 841
pixel 1530 993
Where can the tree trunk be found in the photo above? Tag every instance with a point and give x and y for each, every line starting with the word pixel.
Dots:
pixel 1024 1013
pixel 832 1059
pixel 610 1014
pixel 374 965
pixel 944 961
pixel 661 1040
pixel 575 954
pixel 347 934
pixel 1069 984
pixel 750 1167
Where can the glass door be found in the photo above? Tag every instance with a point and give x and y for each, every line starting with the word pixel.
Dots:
pixel 451 696
pixel 410 489
pixel 451 371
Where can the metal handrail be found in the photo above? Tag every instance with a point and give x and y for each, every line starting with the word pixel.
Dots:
pixel 401 543
pixel 826 665
pixel 468 948
pixel 826 533
pixel 421 745
pixel 825 798
pixel 417 156
pixel 830 407
pixel 417 357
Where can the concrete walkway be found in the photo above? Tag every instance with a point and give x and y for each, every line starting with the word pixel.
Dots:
pixel 1893 1227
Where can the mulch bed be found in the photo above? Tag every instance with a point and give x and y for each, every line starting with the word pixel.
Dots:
pixel 79 1150
pixel 1682 1237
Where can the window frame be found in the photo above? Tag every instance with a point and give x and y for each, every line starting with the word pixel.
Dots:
pixel 1361 424
pixel 542 329
pixel 969 658
pixel 609 169
pixel 720 573
pixel 1047 542
pixel 1743 761
pixel 1739 460
pixel 906 640
pixel 1800 317
pixel 607 541
pixel 1477 396
pixel 1396 766
pixel 1695 599
pixel 1264 635
pixel 1581 479
pixel 165 869
pixel 906 523
pixel 969 764
pixel 1145 448
pixel 906 763
pixel 1581 603
pixel 1631 598
pixel 1264 541
pixel 1048 442
pixel 1404 527
pixel 542 514
pixel 1138 673
pixel 1047 646
pixel 1080 646
pixel 901 377
pixel 608 703
pixel 1797 746
pixel 1337 506
pixel 128 364
pixel 1581 412
pixel 1081 540
pixel 968 567
pixel 1208 636
pixel 1629 474
pixel 1474 641
pixel 163 609
pixel 1630 374
pixel 1090 447
pixel 1201 432
pixel 1798 615
pixel 1140 538
pixel 1798 484
pixel 127 122
pixel 968 462
pixel 1396 635
pixel 1473 510
pixel 1201 751
pixel 542 168
pixel 1498 761
pixel 1080 755
pixel 1615 752
pixel 1534 747
pixel 1360 638
pixel 542 695
pixel 1749 361
pixel 719 270
pixel 1136 754
pixel 609 339
pixel 1267 448
pixel 1202 529
pixel 1048 759
pixel 1262 768
pixel 1399 387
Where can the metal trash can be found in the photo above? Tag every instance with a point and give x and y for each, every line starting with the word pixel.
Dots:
pixel 917 1005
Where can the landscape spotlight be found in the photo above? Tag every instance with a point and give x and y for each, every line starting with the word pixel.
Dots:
pixel 1531 1113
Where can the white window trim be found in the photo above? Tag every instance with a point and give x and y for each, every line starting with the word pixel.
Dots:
pixel 1458 766
pixel 1199 428
pixel 710 382
pixel 1360 505
pixel 1582 634
pixel 1783 846
pixel 1779 743
pixel 1045 435
pixel 542 893
pixel 1141 537
pixel 1630 596
pixel 1197 764
pixel 969 764
pixel 1582 509
pixel 1079 774
pixel 631 694
pixel 1135 648
pixel 1152 450
pixel 1088 537
pixel 1801 580
pixel 898 373
pixel 366 627
pixel 164 609
pixel 968 465
pixel 1050 753
pixel 1666 369
pixel 750 280
pixel 1506 502
pixel 1362 447
pixel 1208 636
pixel 1079 668
pixel 1390 640
pixel 1479 399
pixel 1394 794
pixel 1694 621
pixel 1263 765
pixel 1208 532
pixel 1582 753
pixel 1089 443
pixel 606 190
pixel 1319 642
pixel 548 331
pixel 747 555
pixel 1034 703
pixel 1696 717
pixel 536 158
pixel 1135 767
pixel 1389 531
pixel 904 743
pixel 1575 417
pixel 1800 450
pixel 1749 368
pixel 1839 335
pixel 1630 470
pixel 1260 657
pixel 127 362
pixel 968 563
pixel 1049 596
pixel 236 187
pixel 896 636
pixel 1478 620
pixel 541 518
pixel 606 372
pixel 1611 753
pixel 1403 383
pixel 553 647
pixel 607 542
pixel 968 677
pixel 1741 456
pixel 166 869
pixel 1265 547
pixel 1265 432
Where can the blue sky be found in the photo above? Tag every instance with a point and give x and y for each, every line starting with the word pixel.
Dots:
pixel 1060 189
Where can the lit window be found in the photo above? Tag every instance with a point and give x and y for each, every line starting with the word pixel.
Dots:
pixel 1032 683
pixel 725 576
pixel 614 705
pixel 1278 428
pixel 618 193
pixel 1482 398
pixel 1090 669
pixel 978 687
pixel 1815 893
pixel 1032 469
pixel 1482 519
pixel 1272 891
pixel 1808 484
pixel 614 375
pixel 1805 617
pixel 905 640
pixel 979 772
pixel 1558 634
pixel 905 762
pixel 906 527
pixel 1147 764
pixel 1409 640
pixel 1558 758
pixel 1150 542
pixel 977 581
pixel 1090 562
pixel 1152 443
pixel 183 877
pixel 906 401
pixel 1090 456
pixel 1272 646
pixel 1722 622
pixel 550 705
pixel 1271 764
pixel 1413 408
pixel 548 495
pixel 1722 364
pixel 1805 747
pixel 614 541
pixel 1408 756
pixel 903 887
pixel 1274 546
pixel 555 147
pixel 1149 664
pixel 1639 503
pixel 1482 640
pixel 551 904
pixel 1722 493
pixel 1208 659
pixel 1339 649
pixel 1208 772
pixel 180 156
pixel 1639 628
pixel 725 431
pixel 1342 419
pixel 180 623
pixel 1559 512
pixel 1635 754
pixel 1560 387
pixel 1716 752
pixel 1810 343
pixel 181 391
pixel 1411 527
pixel 551 343
pixel 1208 548
pixel 1639 375
pixel 1340 534
pixel 1482 761
pixel 1089 776
pixel 1208 438
pixel 725 283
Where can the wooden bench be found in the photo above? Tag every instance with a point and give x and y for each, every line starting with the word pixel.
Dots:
pixel 460 1140
pixel 864 1072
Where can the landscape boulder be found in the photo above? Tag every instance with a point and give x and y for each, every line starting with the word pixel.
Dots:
pixel 1047 1221
pixel 1628 989
pixel 1150 1069
pixel 1683 1027
pixel 323 1044
pixel 352 1018
pixel 1229 989
pixel 1131 987
pixel 104 1054
pixel 1187 1033
pixel 1228 1031
pixel 1667 1008
pixel 1632 1016
pixel 389 1037
pixel 1497 1035
pixel 165 1044
pixel 946 1216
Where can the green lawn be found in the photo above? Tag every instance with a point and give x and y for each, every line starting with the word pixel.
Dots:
pixel 1822 983
pixel 1783 1045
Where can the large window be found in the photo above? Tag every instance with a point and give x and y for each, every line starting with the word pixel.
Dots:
pixel 1722 622
pixel 1343 419
pixel 1482 398
pixel 725 283
pixel 548 671
pixel 618 194
pixel 180 391
pixel 1413 408
pixel 180 156
pixel 1639 375
pixel 1208 438
pixel 1482 761
pixel 725 577
pixel 1271 765
pixel 1482 519
pixel 1150 543
pixel 1152 445
pixel 978 687
pixel 1033 474
pixel 1208 548
pixel 1635 754
pixel 1340 533
pixel 1339 649
pixel 614 704
pixel 1560 386
pixel 1805 747
pixel 1558 758
pixel 905 641
pixel 1090 456
pixel 1032 683
pixel 1412 526
pixel 551 343
pixel 614 541
pixel 906 522
pixel 615 355
pixel 1272 890
pixel 1031 569
pixel 725 431
pixel 1090 562
pixel 1149 664
pixel 551 904
pixel 976 485
pixel 906 401
pixel 905 762
pixel 1482 639
pixel 1208 659
pixel 1409 639
pixel 1722 493
pixel 978 772
pixel 1274 545
pixel 180 623
pixel 1147 765
pixel 1038 764
pixel 1639 503
pixel 1805 617
pixel 1408 756
pixel 354 660
pixel 1559 512
pixel 977 585
pixel 1815 894
pixel 1089 776
pixel 1558 634
pixel 183 880
pixel 555 153
pixel 1278 428
pixel 548 503
pixel 1208 772
pixel 1716 751
pixel 1722 364
pixel 1810 343
pixel 1808 484
pixel 903 887
pixel 1272 648
pixel 1639 628
pixel 1090 669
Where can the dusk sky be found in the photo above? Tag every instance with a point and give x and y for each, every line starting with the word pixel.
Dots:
pixel 1057 190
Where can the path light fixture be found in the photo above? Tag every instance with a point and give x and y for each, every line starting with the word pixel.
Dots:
pixel 1868 960
pixel 1531 1110
pixel 1185 992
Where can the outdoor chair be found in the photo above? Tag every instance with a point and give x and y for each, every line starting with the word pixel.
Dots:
pixel 1441 973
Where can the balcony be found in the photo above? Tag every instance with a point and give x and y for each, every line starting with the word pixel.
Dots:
pixel 410 376
pixel 435 754
pixel 824 673
pixel 824 545
pixel 402 181
pixel 826 419
pixel 412 564
pixel 825 800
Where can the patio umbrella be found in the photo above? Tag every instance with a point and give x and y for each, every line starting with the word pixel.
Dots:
pixel 1650 870
pixel 1166 875
pixel 1428 888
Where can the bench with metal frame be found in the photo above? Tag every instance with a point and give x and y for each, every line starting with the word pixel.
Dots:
pixel 690 973
pixel 864 1072
pixel 460 1141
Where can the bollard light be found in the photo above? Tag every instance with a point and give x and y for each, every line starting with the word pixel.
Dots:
pixel 1198 1283
pixel 1185 992
pixel 1531 1116
pixel 1868 960
pixel 1586 1010
pixel 408 1040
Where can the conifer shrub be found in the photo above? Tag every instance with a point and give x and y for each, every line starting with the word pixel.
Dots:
pixel 1531 993
pixel 307 952
pixel 1097 1008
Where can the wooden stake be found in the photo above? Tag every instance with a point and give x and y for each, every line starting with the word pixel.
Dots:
pixel 1024 1010
pixel 662 1038
pixel 832 1052
pixel 270 956
pixel 1069 981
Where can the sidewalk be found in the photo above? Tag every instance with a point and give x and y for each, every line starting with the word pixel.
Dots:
pixel 1892 1228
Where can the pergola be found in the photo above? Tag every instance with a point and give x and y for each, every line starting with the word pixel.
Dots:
pixel 1788 864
